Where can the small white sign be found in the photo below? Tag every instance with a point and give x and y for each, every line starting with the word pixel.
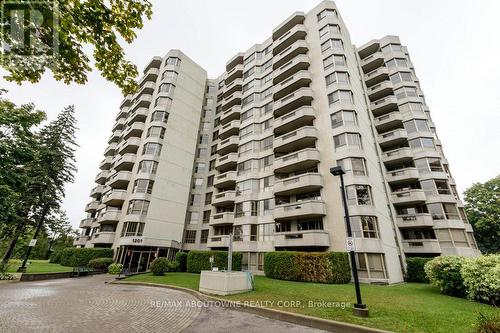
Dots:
pixel 349 243
pixel 32 242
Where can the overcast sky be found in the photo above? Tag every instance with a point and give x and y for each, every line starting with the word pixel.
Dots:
pixel 453 45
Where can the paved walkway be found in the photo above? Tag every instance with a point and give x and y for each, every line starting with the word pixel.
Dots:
pixel 88 304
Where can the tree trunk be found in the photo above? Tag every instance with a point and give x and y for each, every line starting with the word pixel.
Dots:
pixel 12 244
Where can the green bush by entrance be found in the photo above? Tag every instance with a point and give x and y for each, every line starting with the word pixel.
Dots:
pixel 444 272
pixel 198 261
pixel 322 267
pixel 76 257
pixel 181 258
pixel 415 271
pixel 162 265
pixel 100 263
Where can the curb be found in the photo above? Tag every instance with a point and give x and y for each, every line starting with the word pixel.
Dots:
pixel 294 318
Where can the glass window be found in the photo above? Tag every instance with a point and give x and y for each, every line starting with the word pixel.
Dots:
pixel 138 207
pixel 147 166
pixel 421 143
pixel 160 116
pixel 167 88
pixel 364 226
pixel 342 118
pixel 329 28
pixel 204 236
pixel 405 92
pixel 337 77
pixel 347 139
pixel 169 75
pixel 143 186
pixel 163 101
pixel 156 132
pixel 173 61
pixel 152 148
pixel 190 236
pixel 353 165
pixel 358 195
pixel 333 44
pixel 342 96
pixel 326 12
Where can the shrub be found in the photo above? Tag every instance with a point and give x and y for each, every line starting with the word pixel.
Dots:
pixel 488 323
pixel 415 269
pixel 198 261
pixel 322 267
pixel 481 278
pixel 181 258
pixel 75 257
pixel 115 269
pixel 55 257
pixel 100 263
pixel 162 265
pixel 444 272
pixel 4 272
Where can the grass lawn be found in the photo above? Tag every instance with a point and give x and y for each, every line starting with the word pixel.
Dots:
pixel 38 266
pixel 408 307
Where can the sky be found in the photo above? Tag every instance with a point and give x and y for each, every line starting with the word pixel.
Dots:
pixel 453 46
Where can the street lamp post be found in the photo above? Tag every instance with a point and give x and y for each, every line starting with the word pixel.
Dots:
pixel 360 309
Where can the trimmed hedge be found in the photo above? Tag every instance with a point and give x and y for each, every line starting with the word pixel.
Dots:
pixel 198 261
pixel 415 271
pixel 444 272
pixel 74 257
pixel 100 263
pixel 181 258
pixel 481 278
pixel 322 267
pixel 55 257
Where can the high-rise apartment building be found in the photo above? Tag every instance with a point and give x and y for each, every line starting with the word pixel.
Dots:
pixel 192 159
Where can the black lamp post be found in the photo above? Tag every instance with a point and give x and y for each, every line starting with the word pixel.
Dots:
pixel 360 309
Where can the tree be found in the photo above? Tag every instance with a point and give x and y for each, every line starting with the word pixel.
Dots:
pixel 96 23
pixel 482 204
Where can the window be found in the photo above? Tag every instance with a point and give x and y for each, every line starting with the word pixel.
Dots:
pixel 169 75
pixel 267 143
pixel 147 166
pixel 208 198
pixel 310 225
pixel 194 199
pixel 347 139
pixel 353 165
pixel 167 88
pixel 342 96
pixel 138 207
pixel 268 183
pixel 371 265
pixel 337 77
pixel 246 131
pixel 203 139
pixel 326 12
pixel 132 229
pixel 204 236
pixel 190 236
pixel 211 165
pixel 392 48
pixel 430 164
pixel 329 28
pixel 342 118
pixel 152 148
pixel 197 183
pixel 143 186
pixel 248 73
pixel 248 86
pixel 441 211
pixel 206 216
pixel 364 226
pixel 247 100
pixel 266 93
pixel 397 62
pixel 156 132
pixel 163 101
pixel 173 61
pixel 199 167
pixel 358 195
pixel 416 125
pixel 267 162
pixel 421 143
pixel 159 116
pixel 334 60
pixel 333 44
pixel 405 92
pixel 210 181
pixel 244 167
pixel 401 77
pixel 268 108
pixel 246 115
pixel 249 59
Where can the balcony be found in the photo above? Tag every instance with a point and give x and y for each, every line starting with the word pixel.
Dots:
pixel 125 162
pixel 229 145
pixel 294 120
pixel 91 207
pixel 380 90
pixel 408 197
pixel 87 223
pixel 218 241
pixel 303 209
pixel 150 74
pixel 230 114
pixel 110 150
pixel 232 87
pixel 376 76
pixel 120 179
pixel 115 136
pixel 397 156
pixel 232 100
pixel 235 73
pixel 298 32
pixel 421 246
pixel 142 101
pixel 295 100
pixel 229 129
pixel 222 218
pixel 392 138
pixel 415 220
pixel 139 115
pixel 225 180
pixel 307 238
pixel 296 161
pixel 299 63
pixel 226 162
pixel 97 191
pixel 388 121
pixel 103 237
pixel 146 88
pixel 298 139
pixel 129 146
pixel 135 130
pixel 224 198
pixel 307 182
pixel 235 60
pixel 110 216
pixel 298 80
pixel 119 124
pixel 384 105
pixel 402 176
pixel 372 62
pixel 114 197
pixel 81 241
pixel 297 48
pixel 126 101
pixel 101 177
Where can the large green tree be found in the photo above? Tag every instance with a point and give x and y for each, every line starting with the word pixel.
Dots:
pixel 60 41
pixel 482 204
